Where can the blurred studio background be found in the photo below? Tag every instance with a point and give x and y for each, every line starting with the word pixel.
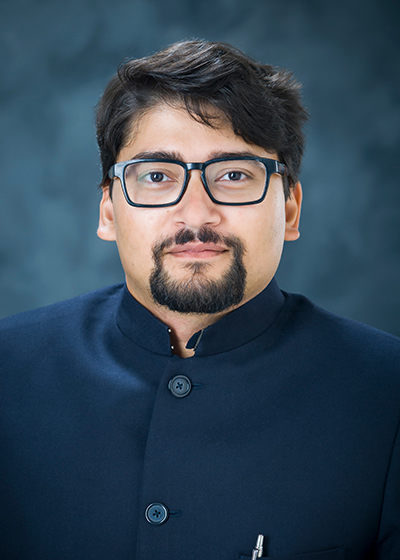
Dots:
pixel 56 57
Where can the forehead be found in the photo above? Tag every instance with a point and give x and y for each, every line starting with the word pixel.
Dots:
pixel 173 129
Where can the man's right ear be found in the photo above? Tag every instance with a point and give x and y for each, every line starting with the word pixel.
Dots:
pixel 106 229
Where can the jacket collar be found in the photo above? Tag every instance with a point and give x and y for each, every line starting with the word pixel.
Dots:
pixel 235 329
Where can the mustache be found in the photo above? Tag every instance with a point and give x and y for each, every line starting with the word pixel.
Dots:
pixel 205 235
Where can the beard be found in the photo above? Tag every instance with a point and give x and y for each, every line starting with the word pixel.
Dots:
pixel 199 294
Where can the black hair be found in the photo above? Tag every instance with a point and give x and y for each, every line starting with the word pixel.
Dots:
pixel 262 103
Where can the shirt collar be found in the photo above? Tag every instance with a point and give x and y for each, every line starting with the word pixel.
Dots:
pixel 235 329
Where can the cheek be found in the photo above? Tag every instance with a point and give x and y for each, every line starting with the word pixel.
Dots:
pixel 130 237
pixel 265 237
pixel 137 230
pixel 263 224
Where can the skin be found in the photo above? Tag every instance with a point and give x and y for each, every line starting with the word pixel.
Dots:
pixel 263 227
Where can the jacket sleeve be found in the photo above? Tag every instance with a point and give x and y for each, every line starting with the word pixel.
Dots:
pixel 388 541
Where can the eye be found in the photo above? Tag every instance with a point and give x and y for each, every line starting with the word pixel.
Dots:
pixel 233 176
pixel 158 178
pixel 155 177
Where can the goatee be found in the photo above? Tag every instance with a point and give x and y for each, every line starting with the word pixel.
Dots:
pixel 199 294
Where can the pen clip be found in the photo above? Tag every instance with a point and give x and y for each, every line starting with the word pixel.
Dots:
pixel 258 550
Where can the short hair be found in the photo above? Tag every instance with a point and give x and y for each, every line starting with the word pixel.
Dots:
pixel 262 103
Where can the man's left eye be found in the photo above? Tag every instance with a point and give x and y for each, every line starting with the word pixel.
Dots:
pixel 233 176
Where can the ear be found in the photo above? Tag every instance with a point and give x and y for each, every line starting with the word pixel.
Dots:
pixel 292 209
pixel 106 229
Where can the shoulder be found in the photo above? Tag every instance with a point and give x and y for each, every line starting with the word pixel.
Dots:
pixel 345 365
pixel 342 339
pixel 310 316
pixel 62 316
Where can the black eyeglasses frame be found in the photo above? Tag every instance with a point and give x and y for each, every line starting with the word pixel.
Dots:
pixel 271 165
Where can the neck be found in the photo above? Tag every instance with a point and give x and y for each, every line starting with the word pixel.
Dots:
pixel 183 326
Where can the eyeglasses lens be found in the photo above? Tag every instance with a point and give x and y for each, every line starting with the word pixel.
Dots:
pixel 237 181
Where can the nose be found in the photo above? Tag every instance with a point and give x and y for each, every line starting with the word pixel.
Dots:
pixel 196 208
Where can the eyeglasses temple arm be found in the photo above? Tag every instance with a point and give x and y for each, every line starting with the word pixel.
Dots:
pixel 281 169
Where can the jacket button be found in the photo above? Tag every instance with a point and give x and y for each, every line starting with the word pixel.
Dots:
pixel 180 386
pixel 156 513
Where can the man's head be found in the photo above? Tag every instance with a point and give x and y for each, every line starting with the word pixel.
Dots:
pixel 261 103
pixel 194 102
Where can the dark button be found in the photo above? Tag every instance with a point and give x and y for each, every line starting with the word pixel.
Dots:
pixel 180 386
pixel 156 513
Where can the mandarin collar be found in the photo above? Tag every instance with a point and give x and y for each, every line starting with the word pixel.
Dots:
pixel 235 329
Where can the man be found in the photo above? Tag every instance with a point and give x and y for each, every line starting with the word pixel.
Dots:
pixel 282 419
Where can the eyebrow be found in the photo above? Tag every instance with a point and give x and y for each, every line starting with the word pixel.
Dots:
pixel 161 154
pixel 157 155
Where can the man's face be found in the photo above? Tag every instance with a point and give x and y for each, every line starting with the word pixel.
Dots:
pixel 196 245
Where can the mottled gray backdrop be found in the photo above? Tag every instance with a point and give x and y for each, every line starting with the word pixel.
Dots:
pixel 56 57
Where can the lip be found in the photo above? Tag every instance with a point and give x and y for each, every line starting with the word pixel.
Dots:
pixel 197 250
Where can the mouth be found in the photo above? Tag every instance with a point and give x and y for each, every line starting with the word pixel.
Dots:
pixel 197 250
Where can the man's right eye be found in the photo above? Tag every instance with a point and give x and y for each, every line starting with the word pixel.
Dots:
pixel 154 177
pixel 157 177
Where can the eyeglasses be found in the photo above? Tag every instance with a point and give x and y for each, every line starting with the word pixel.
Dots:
pixel 155 183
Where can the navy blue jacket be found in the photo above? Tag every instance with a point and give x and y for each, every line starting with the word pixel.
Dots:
pixel 289 430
